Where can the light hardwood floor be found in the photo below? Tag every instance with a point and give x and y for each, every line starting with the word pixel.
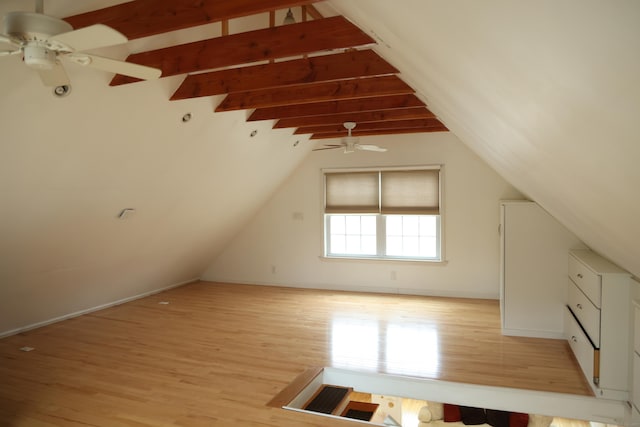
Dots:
pixel 217 353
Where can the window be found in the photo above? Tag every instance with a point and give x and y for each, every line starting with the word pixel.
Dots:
pixel 385 214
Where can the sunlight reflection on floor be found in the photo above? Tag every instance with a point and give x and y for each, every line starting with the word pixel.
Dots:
pixel 394 348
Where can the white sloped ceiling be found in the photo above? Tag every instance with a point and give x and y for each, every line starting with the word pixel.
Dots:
pixel 547 92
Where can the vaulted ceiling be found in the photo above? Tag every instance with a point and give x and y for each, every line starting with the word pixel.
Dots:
pixel 325 74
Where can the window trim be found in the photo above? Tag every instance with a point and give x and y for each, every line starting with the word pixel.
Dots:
pixel 377 259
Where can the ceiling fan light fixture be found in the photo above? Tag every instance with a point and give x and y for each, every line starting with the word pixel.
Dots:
pixel 289 19
pixel 62 91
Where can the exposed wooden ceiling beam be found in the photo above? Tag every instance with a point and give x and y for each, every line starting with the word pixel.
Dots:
pixel 337 107
pixel 380 132
pixel 358 117
pixel 360 63
pixel 142 18
pixel 316 92
pixel 393 124
pixel 253 46
pixel 313 12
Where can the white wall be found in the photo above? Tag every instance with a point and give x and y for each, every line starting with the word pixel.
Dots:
pixel 471 216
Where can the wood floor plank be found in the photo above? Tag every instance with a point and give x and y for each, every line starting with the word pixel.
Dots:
pixel 218 353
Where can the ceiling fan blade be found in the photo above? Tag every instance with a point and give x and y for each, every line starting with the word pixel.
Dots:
pixel 9 52
pixel 327 148
pixel 114 66
pixel 87 38
pixel 366 147
pixel 56 76
pixel 8 40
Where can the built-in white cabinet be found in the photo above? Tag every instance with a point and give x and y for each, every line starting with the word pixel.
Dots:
pixel 598 320
pixel 533 270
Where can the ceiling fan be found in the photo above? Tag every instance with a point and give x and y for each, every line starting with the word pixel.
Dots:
pixel 43 40
pixel 350 143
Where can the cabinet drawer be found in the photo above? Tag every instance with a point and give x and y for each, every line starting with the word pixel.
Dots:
pixel 586 312
pixel 582 348
pixel 636 329
pixel 636 380
pixel 587 280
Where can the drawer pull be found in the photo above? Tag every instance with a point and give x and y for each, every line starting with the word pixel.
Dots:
pixel 580 276
pixel 574 339
pixel 579 306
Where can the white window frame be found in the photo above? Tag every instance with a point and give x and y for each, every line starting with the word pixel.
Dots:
pixel 381 224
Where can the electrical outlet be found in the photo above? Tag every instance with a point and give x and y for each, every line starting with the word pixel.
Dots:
pixel 273 269
pixel 393 275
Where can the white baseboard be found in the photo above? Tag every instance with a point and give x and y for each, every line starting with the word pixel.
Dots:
pixel 533 334
pixel 92 309
pixel 366 289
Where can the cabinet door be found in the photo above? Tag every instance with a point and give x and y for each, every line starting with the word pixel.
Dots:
pixel 535 269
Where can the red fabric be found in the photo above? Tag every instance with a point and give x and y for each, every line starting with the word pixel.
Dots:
pixel 452 413
pixel 516 419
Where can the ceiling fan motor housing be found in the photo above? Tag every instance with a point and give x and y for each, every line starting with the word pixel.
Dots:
pixel 39 57
pixel 33 30
pixel 27 26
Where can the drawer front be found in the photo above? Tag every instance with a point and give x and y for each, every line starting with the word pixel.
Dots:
pixel 586 312
pixel 636 329
pixel 636 380
pixel 580 345
pixel 587 280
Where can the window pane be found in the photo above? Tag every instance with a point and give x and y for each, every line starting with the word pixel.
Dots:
pixel 394 225
pixel 413 236
pixel 394 245
pixel 368 225
pixel 353 244
pixel 369 245
pixel 410 225
pixel 428 247
pixel 338 245
pixel 428 225
pixel 410 246
pixel 337 224
pixel 353 224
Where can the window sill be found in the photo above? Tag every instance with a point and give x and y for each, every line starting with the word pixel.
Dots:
pixel 385 260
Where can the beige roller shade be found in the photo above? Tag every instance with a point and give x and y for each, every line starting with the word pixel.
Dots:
pixel 410 192
pixel 352 192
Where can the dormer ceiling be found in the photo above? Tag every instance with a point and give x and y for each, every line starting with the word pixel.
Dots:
pixel 311 75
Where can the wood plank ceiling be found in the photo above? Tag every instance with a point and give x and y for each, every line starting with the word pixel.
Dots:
pixel 312 75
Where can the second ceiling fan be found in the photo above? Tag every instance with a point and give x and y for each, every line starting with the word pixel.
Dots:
pixel 350 143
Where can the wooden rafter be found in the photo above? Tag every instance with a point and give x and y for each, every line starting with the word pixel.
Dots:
pixel 380 132
pixel 337 107
pixel 252 46
pixel 313 12
pixel 142 18
pixel 361 63
pixel 383 125
pixel 316 92
pixel 358 117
